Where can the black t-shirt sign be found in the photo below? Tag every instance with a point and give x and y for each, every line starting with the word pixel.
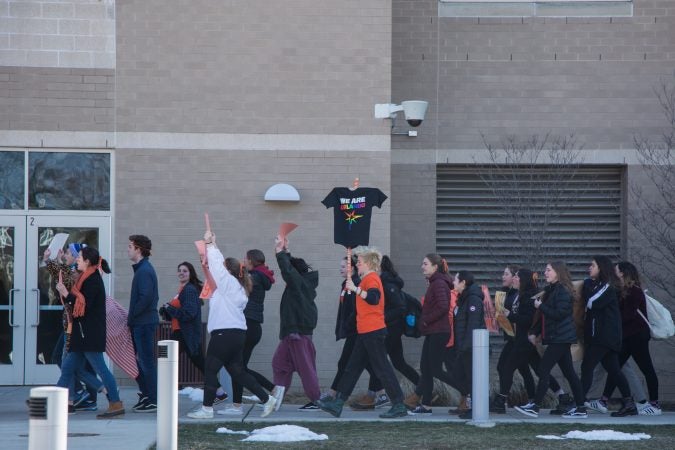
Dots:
pixel 352 210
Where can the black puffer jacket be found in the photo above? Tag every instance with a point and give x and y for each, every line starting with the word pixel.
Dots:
pixel 263 279
pixel 297 312
pixel 602 323
pixel 394 303
pixel 345 323
pixel 557 324
pixel 468 317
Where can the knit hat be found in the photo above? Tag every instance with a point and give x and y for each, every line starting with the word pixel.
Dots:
pixel 75 248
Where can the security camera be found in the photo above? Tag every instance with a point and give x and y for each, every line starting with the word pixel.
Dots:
pixel 414 111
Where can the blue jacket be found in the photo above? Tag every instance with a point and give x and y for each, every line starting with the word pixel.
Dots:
pixel 144 295
pixel 189 316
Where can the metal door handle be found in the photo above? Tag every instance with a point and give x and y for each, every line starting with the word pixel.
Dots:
pixel 37 302
pixel 10 313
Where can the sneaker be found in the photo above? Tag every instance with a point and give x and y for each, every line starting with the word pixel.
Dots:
pixel 578 412
pixel 628 409
pixel 598 405
pixel 466 415
pixel 382 401
pixel 250 399
pixel 420 410
pixel 397 410
pixel 81 396
pixel 270 406
pixel 220 398
pixel 141 401
pixel 87 405
pixel 278 394
pixel 326 396
pixel 149 407
pixel 311 406
pixel 530 410
pixel 201 413
pixel 333 407
pixel 651 409
pixel 71 409
pixel 231 410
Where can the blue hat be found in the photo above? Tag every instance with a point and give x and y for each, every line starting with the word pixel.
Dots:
pixel 75 248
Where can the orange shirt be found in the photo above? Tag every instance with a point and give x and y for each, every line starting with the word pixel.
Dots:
pixel 370 317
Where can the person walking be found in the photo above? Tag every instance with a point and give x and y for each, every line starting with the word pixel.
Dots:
pixel 555 325
pixel 369 346
pixel 227 327
pixel 86 298
pixel 143 320
pixel 298 319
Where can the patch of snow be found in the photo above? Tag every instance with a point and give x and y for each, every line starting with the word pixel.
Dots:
pixel 196 394
pixel 224 430
pixel 549 437
pixel 284 433
pixel 599 435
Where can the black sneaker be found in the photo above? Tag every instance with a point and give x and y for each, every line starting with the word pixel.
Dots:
pixel 81 396
pixel 147 407
pixel 531 409
pixel 420 410
pixel 142 399
pixel 87 405
pixel 220 398
pixel 576 413
pixel 311 406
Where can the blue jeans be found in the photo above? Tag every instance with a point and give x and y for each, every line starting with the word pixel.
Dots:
pixel 144 343
pixel 74 361
pixel 81 375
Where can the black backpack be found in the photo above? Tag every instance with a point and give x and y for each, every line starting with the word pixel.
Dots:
pixel 413 307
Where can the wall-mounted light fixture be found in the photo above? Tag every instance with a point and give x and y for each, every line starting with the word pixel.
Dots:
pixel 414 111
pixel 282 192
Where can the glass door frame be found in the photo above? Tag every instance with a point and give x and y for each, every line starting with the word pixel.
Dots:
pixel 13 374
pixel 48 373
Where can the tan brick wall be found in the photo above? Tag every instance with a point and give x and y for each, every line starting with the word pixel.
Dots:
pixel 164 194
pixel 298 66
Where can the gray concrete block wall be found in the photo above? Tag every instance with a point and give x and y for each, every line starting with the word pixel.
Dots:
pixel 301 67
pixel 56 99
pixel 164 194
pixel 57 33
pixel 592 77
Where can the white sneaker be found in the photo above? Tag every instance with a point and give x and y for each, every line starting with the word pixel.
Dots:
pixel 231 410
pixel 201 413
pixel 650 410
pixel 269 406
pixel 597 405
pixel 250 398
pixel 278 393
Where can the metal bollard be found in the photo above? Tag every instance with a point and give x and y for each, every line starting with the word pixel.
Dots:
pixel 167 395
pixel 480 390
pixel 48 424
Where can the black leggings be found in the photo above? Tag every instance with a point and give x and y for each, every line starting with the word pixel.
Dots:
pixel 558 354
pixel 594 354
pixel 506 366
pixel 253 335
pixel 395 352
pixel 431 365
pixel 637 346
pixel 347 350
pixel 226 349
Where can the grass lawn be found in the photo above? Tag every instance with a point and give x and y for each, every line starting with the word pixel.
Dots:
pixel 415 435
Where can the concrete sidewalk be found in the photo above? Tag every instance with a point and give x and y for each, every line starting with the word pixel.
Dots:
pixel 138 431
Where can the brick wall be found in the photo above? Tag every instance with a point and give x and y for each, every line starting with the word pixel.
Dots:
pixel 298 66
pixel 56 99
pixel 57 33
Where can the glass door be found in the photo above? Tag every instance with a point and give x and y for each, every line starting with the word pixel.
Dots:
pixel 12 298
pixel 32 329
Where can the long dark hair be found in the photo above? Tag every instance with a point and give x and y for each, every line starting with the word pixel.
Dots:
pixel 465 275
pixel 92 256
pixel 194 280
pixel 564 277
pixel 388 266
pixel 631 277
pixel 527 281
pixel 606 269
pixel 233 265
